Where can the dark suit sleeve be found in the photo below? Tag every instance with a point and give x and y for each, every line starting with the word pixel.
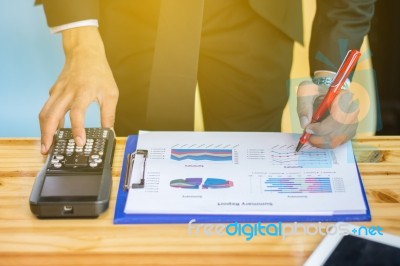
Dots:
pixel 339 25
pixel 59 12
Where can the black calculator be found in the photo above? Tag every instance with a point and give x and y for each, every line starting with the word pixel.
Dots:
pixel 75 181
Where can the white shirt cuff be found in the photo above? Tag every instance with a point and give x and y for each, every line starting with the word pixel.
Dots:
pixel 76 24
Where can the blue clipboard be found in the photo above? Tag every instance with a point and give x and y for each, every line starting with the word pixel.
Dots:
pixel 120 217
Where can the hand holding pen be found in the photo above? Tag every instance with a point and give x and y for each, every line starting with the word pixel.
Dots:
pixel 340 78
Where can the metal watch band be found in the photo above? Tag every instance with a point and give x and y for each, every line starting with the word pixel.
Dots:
pixel 328 81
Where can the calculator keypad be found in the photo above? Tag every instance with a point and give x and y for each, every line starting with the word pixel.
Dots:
pixel 67 155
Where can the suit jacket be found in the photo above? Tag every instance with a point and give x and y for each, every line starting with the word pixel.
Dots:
pixel 338 25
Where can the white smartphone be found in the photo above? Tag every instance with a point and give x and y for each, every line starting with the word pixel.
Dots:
pixel 356 245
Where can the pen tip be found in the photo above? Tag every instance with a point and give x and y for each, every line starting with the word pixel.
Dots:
pixel 299 146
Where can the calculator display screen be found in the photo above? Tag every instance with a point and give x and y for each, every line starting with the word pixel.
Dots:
pixel 71 187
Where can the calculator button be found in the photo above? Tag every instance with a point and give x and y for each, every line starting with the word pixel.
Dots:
pixel 78 160
pixel 67 154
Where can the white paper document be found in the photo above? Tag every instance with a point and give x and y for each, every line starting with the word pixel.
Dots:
pixel 243 174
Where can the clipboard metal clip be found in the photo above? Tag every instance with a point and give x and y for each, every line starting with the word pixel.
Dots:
pixel 138 180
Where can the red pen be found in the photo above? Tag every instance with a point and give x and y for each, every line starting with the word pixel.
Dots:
pixel 344 71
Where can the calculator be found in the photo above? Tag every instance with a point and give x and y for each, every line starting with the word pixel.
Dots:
pixel 75 181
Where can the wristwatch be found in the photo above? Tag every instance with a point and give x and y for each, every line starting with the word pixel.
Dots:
pixel 324 77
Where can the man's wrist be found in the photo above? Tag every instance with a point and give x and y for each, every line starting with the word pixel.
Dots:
pixel 82 37
pixel 325 77
pixel 76 24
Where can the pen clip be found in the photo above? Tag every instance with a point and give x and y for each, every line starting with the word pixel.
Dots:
pixel 345 68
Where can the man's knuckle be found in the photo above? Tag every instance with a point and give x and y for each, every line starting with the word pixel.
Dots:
pixel 46 116
pixel 113 95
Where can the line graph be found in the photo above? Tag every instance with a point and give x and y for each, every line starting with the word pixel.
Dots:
pixel 308 157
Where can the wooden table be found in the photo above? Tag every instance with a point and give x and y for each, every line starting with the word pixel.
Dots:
pixel 26 240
